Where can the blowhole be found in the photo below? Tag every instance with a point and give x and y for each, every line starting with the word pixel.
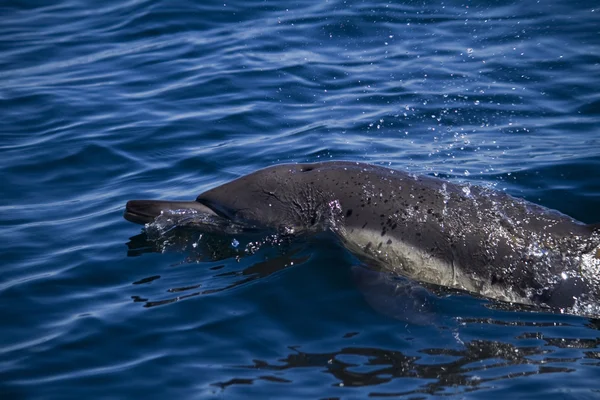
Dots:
pixel 306 169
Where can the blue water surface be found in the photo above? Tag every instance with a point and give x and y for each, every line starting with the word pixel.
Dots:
pixel 102 102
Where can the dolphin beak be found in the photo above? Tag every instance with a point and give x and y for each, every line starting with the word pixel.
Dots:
pixel 145 211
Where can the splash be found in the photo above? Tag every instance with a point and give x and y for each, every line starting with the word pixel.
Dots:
pixel 188 218
pixel 206 237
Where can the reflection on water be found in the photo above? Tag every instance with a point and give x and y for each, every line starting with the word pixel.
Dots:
pixel 482 343
pixel 530 342
pixel 434 371
pixel 277 254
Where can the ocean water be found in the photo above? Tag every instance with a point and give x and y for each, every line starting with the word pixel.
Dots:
pixel 102 102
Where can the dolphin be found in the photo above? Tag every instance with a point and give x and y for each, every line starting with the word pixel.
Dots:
pixel 463 237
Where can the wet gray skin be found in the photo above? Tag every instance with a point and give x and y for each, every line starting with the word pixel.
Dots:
pixel 463 237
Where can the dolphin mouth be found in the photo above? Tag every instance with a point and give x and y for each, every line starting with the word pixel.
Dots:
pixel 146 211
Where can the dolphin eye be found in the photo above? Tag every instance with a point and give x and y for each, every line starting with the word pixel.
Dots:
pixel 306 169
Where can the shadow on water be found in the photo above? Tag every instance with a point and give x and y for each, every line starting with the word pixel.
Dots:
pixel 478 343
pixel 435 371
pixel 277 254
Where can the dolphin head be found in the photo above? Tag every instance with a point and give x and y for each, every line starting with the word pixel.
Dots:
pixel 274 197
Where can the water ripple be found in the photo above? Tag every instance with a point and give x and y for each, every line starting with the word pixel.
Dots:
pixel 165 99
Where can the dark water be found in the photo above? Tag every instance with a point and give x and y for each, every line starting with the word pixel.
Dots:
pixel 105 101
